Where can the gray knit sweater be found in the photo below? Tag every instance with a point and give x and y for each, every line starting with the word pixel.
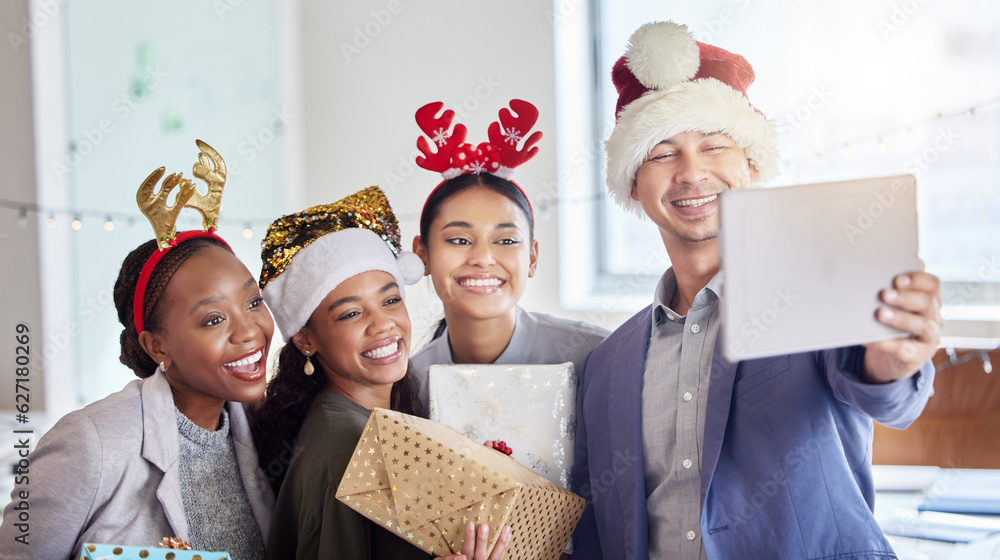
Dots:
pixel 215 504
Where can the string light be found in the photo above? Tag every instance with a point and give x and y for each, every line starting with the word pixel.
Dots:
pixel 22 217
pixel 110 220
pixel 905 129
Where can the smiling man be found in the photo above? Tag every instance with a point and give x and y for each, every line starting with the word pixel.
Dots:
pixel 680 453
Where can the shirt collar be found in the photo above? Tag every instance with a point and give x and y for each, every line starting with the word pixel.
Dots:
pixel 666 288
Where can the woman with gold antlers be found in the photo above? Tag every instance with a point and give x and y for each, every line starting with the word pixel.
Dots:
pixel 171 453
pixel 333 277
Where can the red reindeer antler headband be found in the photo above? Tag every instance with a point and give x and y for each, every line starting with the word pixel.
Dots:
pixel 454 157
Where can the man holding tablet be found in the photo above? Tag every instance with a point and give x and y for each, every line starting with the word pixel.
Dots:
pixel 680 453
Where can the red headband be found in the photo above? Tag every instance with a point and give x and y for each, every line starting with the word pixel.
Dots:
pixel 500 156
pixel 153 260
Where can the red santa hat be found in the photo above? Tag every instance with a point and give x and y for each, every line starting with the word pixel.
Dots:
pixel 669 83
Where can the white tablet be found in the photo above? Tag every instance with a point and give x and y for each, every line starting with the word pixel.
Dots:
pixel 803 265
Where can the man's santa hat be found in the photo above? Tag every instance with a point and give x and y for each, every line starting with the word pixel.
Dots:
pixel 669 83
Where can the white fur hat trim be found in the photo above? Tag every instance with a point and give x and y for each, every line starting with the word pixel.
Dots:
pixel 703 105
pixel 317 269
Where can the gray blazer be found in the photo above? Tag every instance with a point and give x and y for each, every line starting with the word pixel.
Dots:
pixel 109 473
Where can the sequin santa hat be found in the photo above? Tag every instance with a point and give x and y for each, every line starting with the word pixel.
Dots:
pixel 669 83
pixel 308 254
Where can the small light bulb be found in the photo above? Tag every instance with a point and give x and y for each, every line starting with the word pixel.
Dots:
pixel 248 233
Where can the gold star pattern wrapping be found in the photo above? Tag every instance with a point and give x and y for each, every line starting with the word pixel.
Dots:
pixel 530 407
pixel 286 236
pixel 424 481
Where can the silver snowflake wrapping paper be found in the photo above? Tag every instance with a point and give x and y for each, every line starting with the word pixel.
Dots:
pixel 530 407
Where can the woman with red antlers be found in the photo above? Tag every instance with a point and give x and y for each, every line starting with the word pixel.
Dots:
pixel 478 245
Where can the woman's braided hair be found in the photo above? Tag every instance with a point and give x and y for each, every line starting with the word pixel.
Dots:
pixel 132 353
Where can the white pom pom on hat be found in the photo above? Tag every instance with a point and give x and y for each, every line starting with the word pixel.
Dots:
pixel 662 55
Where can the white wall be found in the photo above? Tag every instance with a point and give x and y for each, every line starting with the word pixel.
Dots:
pixel 474 56
pixel 18 237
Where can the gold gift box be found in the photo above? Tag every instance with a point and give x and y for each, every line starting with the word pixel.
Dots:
pixel 424 482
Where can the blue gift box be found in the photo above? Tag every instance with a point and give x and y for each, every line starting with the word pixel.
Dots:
pixel 115 552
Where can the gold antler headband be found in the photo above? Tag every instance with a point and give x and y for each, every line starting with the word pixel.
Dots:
pixel 210 169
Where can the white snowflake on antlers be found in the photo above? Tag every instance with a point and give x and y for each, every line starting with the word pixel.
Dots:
pixel 512 136
pixel 477 167
pixel 441 136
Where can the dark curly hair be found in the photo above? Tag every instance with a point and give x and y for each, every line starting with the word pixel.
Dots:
pixel 276 419
pixel 132 353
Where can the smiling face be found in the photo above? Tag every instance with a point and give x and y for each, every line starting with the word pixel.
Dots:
pixel 360 336
pixel 680 181
pixel 479 253
pixel 215 333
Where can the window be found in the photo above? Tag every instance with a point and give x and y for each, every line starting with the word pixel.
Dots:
pixel 857 90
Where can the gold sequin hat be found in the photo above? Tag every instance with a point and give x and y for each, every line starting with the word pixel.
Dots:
pixel 308 254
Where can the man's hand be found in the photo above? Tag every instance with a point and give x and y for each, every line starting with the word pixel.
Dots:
pixel 914 306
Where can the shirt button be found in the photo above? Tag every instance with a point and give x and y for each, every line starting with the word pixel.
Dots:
pixel 695 328
pixel 687 396
pixel 690 535
pixel 687 463
pixel 670 316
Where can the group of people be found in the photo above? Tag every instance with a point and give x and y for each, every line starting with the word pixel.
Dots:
pixel 673 443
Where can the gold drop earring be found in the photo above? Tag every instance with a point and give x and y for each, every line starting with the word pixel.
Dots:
pixel 309 369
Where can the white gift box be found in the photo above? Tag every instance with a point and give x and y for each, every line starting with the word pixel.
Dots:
pixel 532 408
